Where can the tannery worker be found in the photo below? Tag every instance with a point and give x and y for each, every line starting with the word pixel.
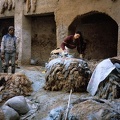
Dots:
pixel 9 49
pixel 74 45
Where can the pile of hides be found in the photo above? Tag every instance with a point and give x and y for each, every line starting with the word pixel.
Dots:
pixel 105 80
pixel 66 74
pixel 7 5
pixel 87 109
pixel 14 84
pixel 110 87
pixel 30 5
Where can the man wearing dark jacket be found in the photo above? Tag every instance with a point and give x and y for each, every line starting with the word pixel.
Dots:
pixel 74 44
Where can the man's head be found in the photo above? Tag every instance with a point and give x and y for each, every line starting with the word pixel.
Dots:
pixel 11 30
pixel 77 34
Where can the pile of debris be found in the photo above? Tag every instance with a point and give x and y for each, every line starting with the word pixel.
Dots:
pixel 66 74
pixel 14 84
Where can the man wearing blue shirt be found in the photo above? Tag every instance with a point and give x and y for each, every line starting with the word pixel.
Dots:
pixel 9 49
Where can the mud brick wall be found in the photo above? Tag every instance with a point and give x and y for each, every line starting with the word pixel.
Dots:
pixel 43 38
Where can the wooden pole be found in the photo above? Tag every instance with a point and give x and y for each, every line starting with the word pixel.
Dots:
pixel 68 107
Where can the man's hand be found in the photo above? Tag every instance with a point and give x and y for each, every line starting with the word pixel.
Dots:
pixel 64 52
pixel 81 56
pixel 2 56
pixel 16 57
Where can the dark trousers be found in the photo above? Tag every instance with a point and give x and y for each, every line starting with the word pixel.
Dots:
pixel 0 65
pixel 10 57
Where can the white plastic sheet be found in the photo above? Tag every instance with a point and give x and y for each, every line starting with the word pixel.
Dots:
pixel 102 70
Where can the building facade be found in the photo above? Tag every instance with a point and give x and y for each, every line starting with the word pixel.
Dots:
pixel 41 25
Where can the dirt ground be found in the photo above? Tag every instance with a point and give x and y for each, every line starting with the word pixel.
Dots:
pixel 47 100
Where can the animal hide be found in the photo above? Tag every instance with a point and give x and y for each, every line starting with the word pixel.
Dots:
pixel 28 5
pixel 33 5
pixel 1 7
pixel 4 6
pixel 9 5
pixel 14 84
pixel 13 4
pixel 66 74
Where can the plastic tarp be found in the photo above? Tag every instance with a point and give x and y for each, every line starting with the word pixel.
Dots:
pixel 102 70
